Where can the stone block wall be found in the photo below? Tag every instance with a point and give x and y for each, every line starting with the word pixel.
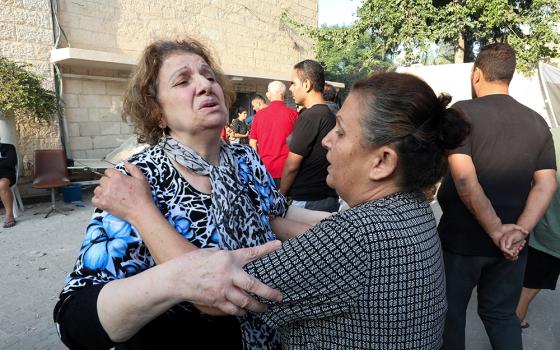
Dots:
pixel 93 114
pixel 26 36
pixel 246 35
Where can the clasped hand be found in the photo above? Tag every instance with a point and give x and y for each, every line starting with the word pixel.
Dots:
pixel 511 240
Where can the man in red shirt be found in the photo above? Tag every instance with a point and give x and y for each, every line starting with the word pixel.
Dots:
pixel 271 126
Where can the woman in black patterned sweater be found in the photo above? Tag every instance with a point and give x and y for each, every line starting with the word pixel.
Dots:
pixel 370 277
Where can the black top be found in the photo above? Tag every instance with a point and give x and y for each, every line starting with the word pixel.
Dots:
pixel 240 127
pixel 370 277
pixel 80 328
pixel 8 161
pixel 310 128
pixel 508 143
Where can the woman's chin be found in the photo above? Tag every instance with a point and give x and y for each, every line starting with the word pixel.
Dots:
pixel 330 181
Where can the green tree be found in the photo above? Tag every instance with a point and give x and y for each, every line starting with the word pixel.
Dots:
pixel 409 27
pixel 346 58
pixel 345 54
pixel 21 90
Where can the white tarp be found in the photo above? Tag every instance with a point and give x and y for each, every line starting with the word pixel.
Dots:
pixel 550 79
pixel 455 80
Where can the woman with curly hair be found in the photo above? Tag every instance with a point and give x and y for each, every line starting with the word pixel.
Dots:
pixel 213 193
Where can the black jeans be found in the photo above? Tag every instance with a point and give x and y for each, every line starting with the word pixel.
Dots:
pixel 498 283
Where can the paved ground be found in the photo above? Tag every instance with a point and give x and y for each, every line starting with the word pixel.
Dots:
pixel 38 253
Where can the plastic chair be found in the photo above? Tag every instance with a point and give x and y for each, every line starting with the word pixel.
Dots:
pixel 17 202
pixel 50 172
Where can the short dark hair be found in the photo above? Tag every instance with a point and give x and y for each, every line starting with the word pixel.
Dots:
pixel 403 111
pixel 258 97
pixel 330 93
pixel 497 62
pixel 241 109
pixel 312 71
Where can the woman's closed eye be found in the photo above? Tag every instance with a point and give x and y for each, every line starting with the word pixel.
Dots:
pixel 182 81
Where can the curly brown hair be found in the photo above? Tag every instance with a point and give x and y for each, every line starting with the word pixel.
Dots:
pixel 140 103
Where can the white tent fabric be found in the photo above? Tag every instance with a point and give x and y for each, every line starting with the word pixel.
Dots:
pixel 455 80
pixel 550 80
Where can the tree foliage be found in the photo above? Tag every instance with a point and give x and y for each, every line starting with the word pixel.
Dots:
pixel 409 27
pixel 21 90
pixel 346 55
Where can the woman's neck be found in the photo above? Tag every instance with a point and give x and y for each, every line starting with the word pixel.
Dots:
pixel 377 192
pixel 207 145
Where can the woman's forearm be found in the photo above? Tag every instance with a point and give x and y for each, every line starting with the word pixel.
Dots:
pixel 285 229
pixel 209 277
pixel 306 216
pixel 162 240
pixel 125 306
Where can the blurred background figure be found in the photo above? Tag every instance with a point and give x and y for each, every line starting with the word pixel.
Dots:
pixel 257 102
pixel 271 127
pixel 331 98
pixel 240 127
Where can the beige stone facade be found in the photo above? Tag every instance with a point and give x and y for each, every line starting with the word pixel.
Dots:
pixel 247 37
pixel 105 37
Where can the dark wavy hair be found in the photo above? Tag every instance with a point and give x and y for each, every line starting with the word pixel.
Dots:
pixel 403 111
pixel 140 103
pixel 312 71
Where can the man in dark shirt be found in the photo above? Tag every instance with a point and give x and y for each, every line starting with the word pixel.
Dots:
pixel 305 171
pixel 501 182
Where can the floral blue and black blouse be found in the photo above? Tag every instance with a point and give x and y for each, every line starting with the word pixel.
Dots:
pixel 113 249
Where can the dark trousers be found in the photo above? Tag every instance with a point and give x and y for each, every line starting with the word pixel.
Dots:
pixel 498 283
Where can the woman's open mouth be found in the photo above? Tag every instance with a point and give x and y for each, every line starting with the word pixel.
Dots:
pixel 208 105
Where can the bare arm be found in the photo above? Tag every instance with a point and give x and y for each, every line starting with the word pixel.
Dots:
pixel 290 171
pixel 540 196
pixel 472 195
pixel 285 229
pixel 307 216
pixel 296 222
pixel 538 200
pixel 208 277
pixel 253 144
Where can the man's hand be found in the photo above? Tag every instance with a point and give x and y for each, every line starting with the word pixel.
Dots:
pixel 513 242
pixel 510 239
pixel 123 195
pixel 215 278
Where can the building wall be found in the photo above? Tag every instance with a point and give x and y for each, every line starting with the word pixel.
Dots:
pixel 93 108
pixel 26 36
pixel 246 36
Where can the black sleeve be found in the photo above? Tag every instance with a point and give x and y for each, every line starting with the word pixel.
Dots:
pixel 465 147
pixel 547 156
pixel 77 321
pixel 303 136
